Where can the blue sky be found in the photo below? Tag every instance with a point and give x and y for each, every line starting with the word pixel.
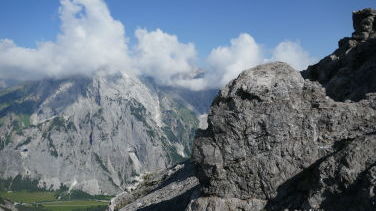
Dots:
pixel 168 40
pixel 317 24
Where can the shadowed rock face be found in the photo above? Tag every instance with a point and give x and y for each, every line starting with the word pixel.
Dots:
pixel 347 72
pixel 364 24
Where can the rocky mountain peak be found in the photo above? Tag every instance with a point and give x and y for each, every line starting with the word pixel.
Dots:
pixel 97 134
pixel 364 23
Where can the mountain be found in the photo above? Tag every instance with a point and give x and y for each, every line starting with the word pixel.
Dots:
pixel 7 83
pixel 97 134
pixel 278 139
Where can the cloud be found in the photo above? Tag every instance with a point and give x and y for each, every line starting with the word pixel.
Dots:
pixel 293 54
pixel 226 62
pixel 90 39
pixel 163 57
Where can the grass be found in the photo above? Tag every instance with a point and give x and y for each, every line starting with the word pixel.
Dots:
pixel 28 197
pixel 48 201
pixel 72 205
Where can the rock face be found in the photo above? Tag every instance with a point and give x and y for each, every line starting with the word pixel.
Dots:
pixel 364 24
pixel 346 73
pixel 278 139
pixel 269 126
pixel 169 189
pixel 95 134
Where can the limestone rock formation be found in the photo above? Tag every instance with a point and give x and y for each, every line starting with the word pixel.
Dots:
pixel 275 137
pixel 275 141
pixel 97 134
pixel 278 139
pixel 267 127
pixel 169 189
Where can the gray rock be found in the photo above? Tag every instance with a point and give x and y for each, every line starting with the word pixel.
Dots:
pixel 346 73
pixel 169 189
pixel 364 23
pixel 268 125
pixel 275 141
pixel 6 205
pixel 342 180
pixel 279 141
pixel 98 134
pixel 231 204
pixel 274 137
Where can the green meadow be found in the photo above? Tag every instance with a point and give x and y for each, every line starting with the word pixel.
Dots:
pixel 47 201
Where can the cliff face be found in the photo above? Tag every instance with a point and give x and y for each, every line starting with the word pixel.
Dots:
pixel 278 139
pixel 95 134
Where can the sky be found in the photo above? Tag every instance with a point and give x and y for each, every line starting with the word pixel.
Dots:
pixel 168 40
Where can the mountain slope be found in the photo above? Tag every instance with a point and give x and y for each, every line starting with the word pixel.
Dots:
pixel 95 134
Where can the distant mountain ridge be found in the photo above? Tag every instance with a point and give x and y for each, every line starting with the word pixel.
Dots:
pixel 97 134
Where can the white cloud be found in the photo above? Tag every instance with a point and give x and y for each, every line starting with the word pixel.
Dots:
pixel 90 39
pixel 163 57
pixel 226 62
pixel 293 54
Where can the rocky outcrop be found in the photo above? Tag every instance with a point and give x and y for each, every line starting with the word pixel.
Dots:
pixel 275 141
pixel 6 205
pixel 269 126
pixel 169 189
pixel 364 24
pixel 278 139
pixel 343 180
pixel 346 73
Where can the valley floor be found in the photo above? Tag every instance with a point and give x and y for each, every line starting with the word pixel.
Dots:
pixel 29 201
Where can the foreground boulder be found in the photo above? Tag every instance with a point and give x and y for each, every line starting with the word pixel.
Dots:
pixel 268 128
